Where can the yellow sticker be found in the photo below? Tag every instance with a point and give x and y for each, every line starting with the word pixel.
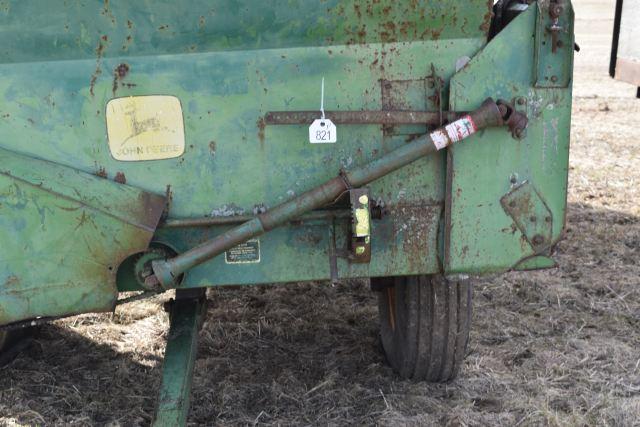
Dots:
pixel 145 128
pixel 362 222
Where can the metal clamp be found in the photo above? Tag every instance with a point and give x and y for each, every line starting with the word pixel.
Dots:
pixel 361 227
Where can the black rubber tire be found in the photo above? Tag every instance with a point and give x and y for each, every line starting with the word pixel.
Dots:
pixel 4 339
pixel 424 325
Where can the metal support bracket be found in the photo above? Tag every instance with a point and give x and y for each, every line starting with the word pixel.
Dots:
pixel 407 107
pixel 361 231
pixel 488 114
pixel 186 315
pixel 530 215
pixel 553 44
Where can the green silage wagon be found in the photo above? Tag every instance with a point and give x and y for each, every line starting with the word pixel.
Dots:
pixel 152 146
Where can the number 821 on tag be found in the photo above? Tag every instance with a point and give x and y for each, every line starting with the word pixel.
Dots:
pixel 322 131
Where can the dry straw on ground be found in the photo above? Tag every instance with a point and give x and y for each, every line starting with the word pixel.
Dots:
pixel 554 347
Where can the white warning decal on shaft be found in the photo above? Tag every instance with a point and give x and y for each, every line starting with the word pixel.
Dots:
pixel 461 129
pixel 440 139
pixel 453 132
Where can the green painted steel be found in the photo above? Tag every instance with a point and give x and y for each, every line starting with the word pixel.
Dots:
pixel 82 30
pixel 231 62
pixel 63 234
pixel 70 240
pixel 232 162
pixel 187 314
pixel 553 49
pixel 166 271
pixel 481 236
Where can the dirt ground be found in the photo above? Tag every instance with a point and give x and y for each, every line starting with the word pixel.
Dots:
pixel 555 347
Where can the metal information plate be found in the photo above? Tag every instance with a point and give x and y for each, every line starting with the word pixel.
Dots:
pixel 145 128
pixel 244 253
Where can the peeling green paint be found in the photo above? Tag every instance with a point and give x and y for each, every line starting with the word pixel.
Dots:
pixel 230 62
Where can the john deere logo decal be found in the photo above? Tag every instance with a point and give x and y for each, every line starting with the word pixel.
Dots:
pixel 145 128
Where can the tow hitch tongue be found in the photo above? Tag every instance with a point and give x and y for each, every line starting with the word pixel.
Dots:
pixel 489 114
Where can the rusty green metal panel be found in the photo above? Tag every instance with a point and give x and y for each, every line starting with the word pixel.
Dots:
pixel 481 235
pixel 554 38
pixel 63 234
pixel 94 29
pixel 249 58
pixel 229 63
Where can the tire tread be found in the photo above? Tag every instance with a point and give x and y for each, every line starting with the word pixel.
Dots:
pixel 431 326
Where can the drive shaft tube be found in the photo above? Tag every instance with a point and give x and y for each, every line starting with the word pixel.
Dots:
pixel 489 114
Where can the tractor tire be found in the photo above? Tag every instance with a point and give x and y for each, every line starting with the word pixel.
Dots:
pixel 424 325
pixel 4 336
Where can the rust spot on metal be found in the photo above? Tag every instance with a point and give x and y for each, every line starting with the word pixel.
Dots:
pixel 261 123
pixel 11 281
pixel 122 70
pixel 168 200
pixel 120 178
pixel 435 34
pixel 310 238
pixel 119 73
pixel 99 53
pixel 356 7
pixel 486 20
pixel 127 42
pixel 101 172
pixel 362 34
pixel 416 233
pixel 393 117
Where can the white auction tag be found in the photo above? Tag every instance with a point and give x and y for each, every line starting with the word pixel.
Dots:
pixel 322 131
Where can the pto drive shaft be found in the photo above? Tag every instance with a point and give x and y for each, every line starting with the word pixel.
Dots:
pixel 489 114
